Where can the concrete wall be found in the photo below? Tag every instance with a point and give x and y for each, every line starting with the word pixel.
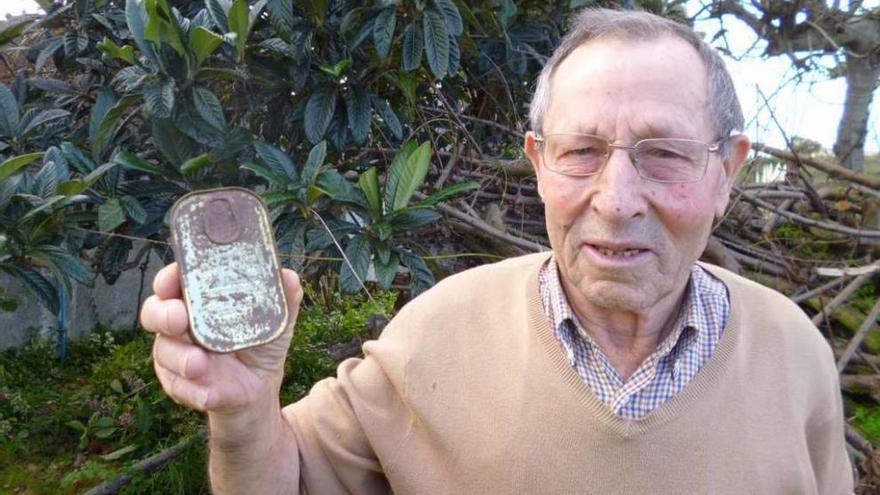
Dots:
pixel 112 305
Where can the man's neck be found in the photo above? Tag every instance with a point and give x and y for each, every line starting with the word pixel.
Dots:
pixel 627 337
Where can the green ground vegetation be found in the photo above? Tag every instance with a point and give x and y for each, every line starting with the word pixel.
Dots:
pixel 67 426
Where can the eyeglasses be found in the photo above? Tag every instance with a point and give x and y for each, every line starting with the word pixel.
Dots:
pixel 664 160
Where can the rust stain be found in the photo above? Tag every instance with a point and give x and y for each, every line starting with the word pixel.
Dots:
pixel 229 269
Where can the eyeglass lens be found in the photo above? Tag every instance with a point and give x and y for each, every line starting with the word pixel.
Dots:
pixel 661 160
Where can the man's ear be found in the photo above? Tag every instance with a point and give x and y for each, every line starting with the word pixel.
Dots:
pixel 740 146
pixel 533 152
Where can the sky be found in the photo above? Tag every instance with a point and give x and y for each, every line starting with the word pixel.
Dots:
pixel 810 108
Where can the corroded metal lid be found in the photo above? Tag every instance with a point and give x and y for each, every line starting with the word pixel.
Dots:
pixel 229 269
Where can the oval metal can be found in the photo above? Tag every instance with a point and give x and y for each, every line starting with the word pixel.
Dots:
pixel 229 269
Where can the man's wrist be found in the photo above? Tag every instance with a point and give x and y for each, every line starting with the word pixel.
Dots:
pixel 239 429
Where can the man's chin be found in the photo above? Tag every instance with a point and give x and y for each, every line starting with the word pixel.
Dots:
pixel 616 295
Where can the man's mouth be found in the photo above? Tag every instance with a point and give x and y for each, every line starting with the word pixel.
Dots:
pixel 620 251
pixel 625 253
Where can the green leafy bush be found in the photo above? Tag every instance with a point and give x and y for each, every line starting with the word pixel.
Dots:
pixel 119 107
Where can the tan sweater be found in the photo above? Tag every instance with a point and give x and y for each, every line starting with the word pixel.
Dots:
pixel 467 391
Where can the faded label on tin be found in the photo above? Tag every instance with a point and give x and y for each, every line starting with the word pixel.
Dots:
pixel 229 269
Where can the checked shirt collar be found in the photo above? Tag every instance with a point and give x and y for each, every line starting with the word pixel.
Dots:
pixel 664 372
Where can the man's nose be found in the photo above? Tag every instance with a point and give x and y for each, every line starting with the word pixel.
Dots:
pixel 619 189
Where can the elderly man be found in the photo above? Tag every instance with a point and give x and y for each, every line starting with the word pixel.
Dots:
pixel 616 365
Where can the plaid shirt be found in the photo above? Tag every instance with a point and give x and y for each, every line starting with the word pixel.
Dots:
pixel 667 370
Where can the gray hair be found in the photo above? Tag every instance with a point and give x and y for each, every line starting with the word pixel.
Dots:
pixel 591 24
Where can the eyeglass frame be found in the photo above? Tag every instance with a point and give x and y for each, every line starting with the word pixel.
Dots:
pixel 710 148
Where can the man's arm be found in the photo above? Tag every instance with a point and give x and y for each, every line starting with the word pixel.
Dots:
pixel 826 437
pixel 253 452
pixel 253 449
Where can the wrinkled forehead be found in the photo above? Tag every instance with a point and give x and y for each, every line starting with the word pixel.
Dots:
pixel 647 88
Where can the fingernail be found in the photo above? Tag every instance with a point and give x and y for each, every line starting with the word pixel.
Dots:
pixel 202 398
pixel 185 365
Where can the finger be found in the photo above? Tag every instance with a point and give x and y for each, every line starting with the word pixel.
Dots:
pixel 166 284
pixel 181 390
pixel 181 358
pixel 293 290
pixel 167 317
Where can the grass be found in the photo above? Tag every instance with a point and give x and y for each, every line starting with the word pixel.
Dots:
pixel 68 426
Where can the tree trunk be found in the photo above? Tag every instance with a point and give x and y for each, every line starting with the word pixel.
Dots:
pixel 861 81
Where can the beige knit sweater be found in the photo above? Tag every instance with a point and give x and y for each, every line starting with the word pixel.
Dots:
pixel 468 392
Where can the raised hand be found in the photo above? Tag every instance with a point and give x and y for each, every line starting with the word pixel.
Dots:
pixel 204 380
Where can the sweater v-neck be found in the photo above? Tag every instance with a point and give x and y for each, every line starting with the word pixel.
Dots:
pixel 705 380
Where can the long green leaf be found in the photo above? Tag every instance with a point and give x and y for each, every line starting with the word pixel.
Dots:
pixel 109 124
pixel 454 23
pixel 50 204
pixel 395 172
pixel 10 113
pixel 436 42
pixel 172 143
pixel 412 176
pixel 413 45
pixel 74 187
pixel 359 113
pixel 203 43
pixel 46 180
pixel 209 108
pixel 421 278
pixel 319 111
pixel 39 285
pixel 386 270
pixel 44 117
pixel 69 265
pixel 277 160
pixel 119 453
pixel 196 163
pixel 282 18
pixel 162 26
pixel 112 50
pixel 133 209
pixel 264 171
pixel 383 31
pixel 388 116
pixel 412 218
pixel 17 163
pixel 238 18
pixel 358 253
pixel 217 12
pixel 136 19
pixel 110 215
pixel 448 192
pixel 337 187
pixel 52 45
pixel 14 28
pixel 103 103
pixel 159 97
pixel 80 161
pixel 133 162
pixel 454 55
pixel 317 155
pixel 274 197
pixel 369 183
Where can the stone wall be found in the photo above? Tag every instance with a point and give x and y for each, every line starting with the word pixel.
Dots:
pixel 111 305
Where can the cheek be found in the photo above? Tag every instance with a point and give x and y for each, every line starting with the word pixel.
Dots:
pixel 685 208
pixel 562 203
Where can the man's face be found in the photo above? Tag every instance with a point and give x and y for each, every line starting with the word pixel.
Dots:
pixel 622 242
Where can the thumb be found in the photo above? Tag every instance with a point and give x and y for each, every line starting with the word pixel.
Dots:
pixel 293 291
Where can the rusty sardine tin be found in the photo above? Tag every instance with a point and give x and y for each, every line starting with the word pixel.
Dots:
pixel 229 269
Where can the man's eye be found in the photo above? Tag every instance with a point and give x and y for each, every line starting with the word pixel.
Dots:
pixel 663 154
pixel 586 151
